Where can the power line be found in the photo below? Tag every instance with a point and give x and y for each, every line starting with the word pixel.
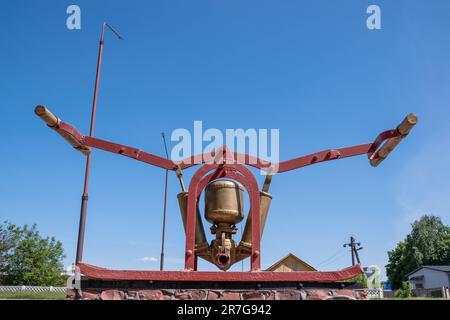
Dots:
pixel 334 259
pixel 354 248
pixel 338 258
pixel 339 252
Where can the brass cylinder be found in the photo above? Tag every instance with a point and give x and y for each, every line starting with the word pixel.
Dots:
pixel 200 237
pixel 224 202
pixel 265 200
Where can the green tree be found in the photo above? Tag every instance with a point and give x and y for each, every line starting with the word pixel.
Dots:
pixel 405 291
pixel 26 258
pixel 9 235
pixel 427 244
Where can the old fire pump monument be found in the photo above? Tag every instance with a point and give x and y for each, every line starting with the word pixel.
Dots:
pixel 223 183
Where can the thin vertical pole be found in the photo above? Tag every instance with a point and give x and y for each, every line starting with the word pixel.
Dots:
pixel 356 252
pixel 84 197
pixel 161 262
pixel 357 256
pixel 352 246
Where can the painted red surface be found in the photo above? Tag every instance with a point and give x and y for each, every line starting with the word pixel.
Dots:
pixel 137 154
pixel 228 164
pixel 238 173
pixel 94 272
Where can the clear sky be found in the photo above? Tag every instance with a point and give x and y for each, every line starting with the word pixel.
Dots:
pixel 311 69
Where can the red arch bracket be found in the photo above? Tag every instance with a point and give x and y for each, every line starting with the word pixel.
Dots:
pixel 198 183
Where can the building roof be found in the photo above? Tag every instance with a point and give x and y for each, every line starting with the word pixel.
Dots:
pixel 435 268
pixel 290 256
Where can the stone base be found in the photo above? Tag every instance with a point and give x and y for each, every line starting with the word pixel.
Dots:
pixel 209 294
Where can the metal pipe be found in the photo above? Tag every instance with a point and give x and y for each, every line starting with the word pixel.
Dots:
pixel 267 182
pixel 161 262
pixel 81 230
pixel 179 174
pixel 84 197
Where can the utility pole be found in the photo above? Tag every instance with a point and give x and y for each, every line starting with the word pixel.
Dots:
pixel 84 197
pixel 354 248
pixel 161 262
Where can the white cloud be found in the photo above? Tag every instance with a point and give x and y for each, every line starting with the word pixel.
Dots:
pixel 149 259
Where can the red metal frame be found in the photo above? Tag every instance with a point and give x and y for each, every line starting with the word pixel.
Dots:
pixel 296 163
pixel 94 272
pixel 233 171
pixel 226 167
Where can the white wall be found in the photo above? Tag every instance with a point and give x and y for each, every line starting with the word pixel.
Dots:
pixel 432 278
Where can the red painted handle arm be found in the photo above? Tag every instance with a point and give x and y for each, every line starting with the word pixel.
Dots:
pixel 129 152
pixel 402 130
pixel 373 150
pixel 84 143
pixel 388 140
pixel 70 134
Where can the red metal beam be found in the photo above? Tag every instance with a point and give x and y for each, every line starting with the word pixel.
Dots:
pixel 94 272
pixel 130 152
pixel 296 163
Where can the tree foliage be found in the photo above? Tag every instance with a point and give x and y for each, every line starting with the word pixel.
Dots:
pixel 427 244
pixel 26 258
pixel 405 291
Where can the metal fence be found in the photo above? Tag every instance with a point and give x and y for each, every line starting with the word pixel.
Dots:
pixel 424 293
pixel 373 293
pixel 442 292
pixel 32 289
pixel 389 294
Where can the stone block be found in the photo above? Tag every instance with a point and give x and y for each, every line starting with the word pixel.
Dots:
pixel 287 295
pixel 112 295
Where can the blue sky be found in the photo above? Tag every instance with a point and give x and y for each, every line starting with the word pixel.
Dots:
pixel 308 68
